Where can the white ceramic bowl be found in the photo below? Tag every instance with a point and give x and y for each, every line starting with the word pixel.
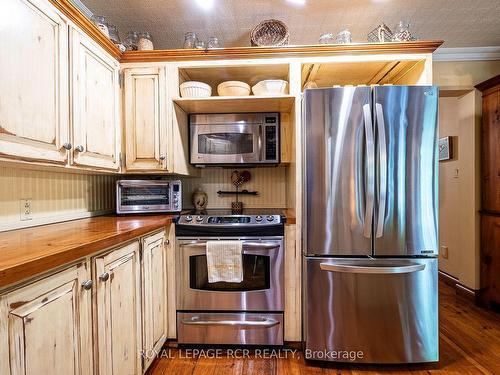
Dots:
pixel 194 89
pixel 233 88
pixel 270 87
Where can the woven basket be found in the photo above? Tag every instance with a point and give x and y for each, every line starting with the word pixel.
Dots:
pixel 270 33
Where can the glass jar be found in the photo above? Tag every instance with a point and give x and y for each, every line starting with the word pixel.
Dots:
pixel 402 32
pixel 213 42
pixel 131 40
pixel 100 22
pixel 327 38
pixel 190 39
pixel 200 44
pixel 145 42
pixel 344 37
pixel 113 34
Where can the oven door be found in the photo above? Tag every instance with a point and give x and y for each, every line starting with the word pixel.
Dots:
pixel 226 144
pixel 260 290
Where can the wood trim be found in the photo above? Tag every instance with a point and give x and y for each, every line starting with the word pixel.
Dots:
pixel 460 289
pixel 488 84
pixel 67 8
pixel 427 46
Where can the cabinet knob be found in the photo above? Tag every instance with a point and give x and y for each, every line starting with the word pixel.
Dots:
pixel 87 284
pixel 167 242
pixel 79 148
pixel 104 276
pixel 162 157
pixel 67 146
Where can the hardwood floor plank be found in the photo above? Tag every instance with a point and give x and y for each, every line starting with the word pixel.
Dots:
pixel 469 344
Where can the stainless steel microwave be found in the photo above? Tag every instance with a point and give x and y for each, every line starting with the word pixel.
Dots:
pixel 141 196
pixel 226 139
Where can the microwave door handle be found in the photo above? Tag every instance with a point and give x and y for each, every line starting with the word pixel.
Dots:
pixel 260 142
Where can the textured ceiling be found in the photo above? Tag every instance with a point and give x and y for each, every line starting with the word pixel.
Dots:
pixel 461 23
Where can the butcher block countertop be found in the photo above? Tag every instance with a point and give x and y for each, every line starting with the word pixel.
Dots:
pixel 28 252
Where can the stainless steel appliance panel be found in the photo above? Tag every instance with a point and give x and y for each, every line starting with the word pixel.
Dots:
pixel 406 209
pixel 260 290
pixel 387 309
pixel 230 328
pixel 339 175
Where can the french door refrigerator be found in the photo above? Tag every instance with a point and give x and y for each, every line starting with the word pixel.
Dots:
pixel 371 224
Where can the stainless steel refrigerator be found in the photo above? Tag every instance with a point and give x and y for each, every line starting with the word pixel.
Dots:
pixel 371 224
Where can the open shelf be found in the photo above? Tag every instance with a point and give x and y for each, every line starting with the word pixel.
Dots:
pixel 236 104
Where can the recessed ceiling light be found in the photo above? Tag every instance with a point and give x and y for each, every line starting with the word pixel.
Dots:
pixel 205 4
pixel 299 2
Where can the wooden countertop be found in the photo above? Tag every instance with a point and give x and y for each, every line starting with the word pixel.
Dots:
pixel 28 252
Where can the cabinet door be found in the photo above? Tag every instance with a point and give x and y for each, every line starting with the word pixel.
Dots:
pixel 95 104
pixel 145 125
pixel 33 82
pixel 118 311
pixel 154 295
pixel 46 326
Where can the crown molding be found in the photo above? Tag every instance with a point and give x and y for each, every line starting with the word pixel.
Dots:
pixel 467 54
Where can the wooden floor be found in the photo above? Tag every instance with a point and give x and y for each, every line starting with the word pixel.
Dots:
pixel 469 344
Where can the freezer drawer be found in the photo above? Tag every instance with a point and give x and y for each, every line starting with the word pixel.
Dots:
pixel 229 328
pixel 385 309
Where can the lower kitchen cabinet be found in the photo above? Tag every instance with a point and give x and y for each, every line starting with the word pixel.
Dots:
pixel 117 311
pixel 154 295
pixel 45 326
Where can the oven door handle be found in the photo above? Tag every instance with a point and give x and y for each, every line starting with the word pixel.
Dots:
pixel 264 322
pixel 267 246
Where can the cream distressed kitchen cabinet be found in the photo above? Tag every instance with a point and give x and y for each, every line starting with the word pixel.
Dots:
pixel 45 326
pixel 95 103
pixel 145 119
pixel 117 311
pixel 154 294
pixel 33 82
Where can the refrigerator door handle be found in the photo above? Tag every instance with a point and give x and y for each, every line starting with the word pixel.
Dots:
pixel 383 170
pixel 379 269
pixel 370 151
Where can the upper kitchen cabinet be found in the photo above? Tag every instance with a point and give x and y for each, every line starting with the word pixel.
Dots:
pixel 145 119
pixel 95 102
pixel 33 82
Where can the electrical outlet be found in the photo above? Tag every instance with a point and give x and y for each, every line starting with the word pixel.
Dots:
pixel 444 252
pixel 25 209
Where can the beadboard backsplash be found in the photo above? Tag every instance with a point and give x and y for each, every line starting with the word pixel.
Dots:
pixel 55 196
pixel 269 182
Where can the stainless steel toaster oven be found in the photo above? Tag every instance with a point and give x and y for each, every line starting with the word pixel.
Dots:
pixel 141 196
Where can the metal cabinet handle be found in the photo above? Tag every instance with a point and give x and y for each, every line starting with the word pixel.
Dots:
pixel 67 146
pixel 390 268
pixel 79 148
pixel 87 284
pixel 104 276
pixel 264 322
pixel 162 157
pixel 370 161
pixel 383 169
pixel 167 242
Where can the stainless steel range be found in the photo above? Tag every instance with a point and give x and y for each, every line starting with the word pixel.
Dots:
pixel 248 312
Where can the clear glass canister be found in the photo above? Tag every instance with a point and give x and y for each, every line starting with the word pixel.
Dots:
pixel 344 37
pixel 113 34
pixel 190 39
pixel 213 42
pixel 145 42
pixel 131 40
pixel 100 22
pixel 327 38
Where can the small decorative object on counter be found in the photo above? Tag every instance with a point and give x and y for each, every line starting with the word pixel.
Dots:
pixel 115 38
pixel 213 42
pixel 200 200
pixel 327 38
pixel 380 34
pixel 402 32
pixel 194 89
pixel 190 39
pixel 270 33
pixel 145 42
pixel 131 40
pixel 233 88
pixel 100 22
pixel 344 37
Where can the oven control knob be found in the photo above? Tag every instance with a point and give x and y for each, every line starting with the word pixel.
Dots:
pixel 189 218
pixel 270 218
pixel 258 218
pixel 199 218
